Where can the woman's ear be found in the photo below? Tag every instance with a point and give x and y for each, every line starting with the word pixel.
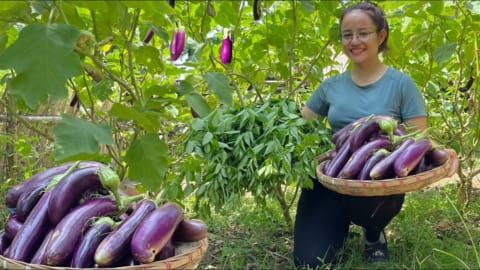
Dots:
pixel 381 36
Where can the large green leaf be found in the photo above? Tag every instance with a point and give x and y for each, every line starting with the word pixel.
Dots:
pixel 43 60
pixel 198 103
pixel 219 84
pixel 444 52
pixel 123 112
pixel 147 161
pixel 75 136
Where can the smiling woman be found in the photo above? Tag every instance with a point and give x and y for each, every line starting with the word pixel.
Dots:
pixel 370 87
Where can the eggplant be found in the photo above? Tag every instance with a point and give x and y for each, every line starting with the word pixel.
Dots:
pixel 12 196
pixel 155 230
pixel 69 190
pixel 28 200
pixel 148 35
pixel 358 158
pixel 409 158
pixel 83 256
pixel 68 231
pixel 337 163
pixel 39 256
pixel 166 252
pixel 423 166
pixel 12 226
pixel 437 156
pixel 178 43
pixel 385 166
pixel 116 244
pixel 31 234
pixel 4 242
pixel 376 125
pixel 364 173
pixel 190 230
pixel 227 47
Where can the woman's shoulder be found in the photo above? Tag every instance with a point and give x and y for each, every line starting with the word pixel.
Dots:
pixel 337 78
pixel 397 74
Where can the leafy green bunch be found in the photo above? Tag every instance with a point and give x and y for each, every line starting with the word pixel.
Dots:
pixel 258 149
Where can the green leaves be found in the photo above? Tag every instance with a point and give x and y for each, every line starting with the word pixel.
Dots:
pixel 219 84
pixel 444 52
pixel 147 161
pixel 43 60
pixel 254 149
pixel 78 138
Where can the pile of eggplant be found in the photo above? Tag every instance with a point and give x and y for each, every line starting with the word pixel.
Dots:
pixel 75 215
pixel 379 147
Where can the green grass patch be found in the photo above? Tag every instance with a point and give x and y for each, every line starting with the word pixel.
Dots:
pixel 429 233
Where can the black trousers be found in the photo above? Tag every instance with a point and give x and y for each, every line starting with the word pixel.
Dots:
pixel 323 219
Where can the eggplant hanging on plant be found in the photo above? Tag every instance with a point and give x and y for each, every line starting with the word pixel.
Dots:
pixel 148 36
pixel 257 12
pixel 226 49
pixel 178 42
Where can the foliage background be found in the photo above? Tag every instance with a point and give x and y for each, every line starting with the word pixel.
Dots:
pixel 135 106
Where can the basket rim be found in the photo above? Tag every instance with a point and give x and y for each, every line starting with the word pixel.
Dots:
pixel 191 257
pixel 381 187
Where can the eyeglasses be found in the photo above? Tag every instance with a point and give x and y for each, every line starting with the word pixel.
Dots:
pixel 362 36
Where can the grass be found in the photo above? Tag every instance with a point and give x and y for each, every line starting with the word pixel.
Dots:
pixel 429 233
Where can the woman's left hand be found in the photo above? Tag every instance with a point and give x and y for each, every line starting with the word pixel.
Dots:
pixel 453 162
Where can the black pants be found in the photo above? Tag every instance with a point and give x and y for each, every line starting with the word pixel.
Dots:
pixel 323 219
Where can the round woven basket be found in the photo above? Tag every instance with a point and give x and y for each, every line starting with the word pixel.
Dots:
pixel 382 187
pixel 188 256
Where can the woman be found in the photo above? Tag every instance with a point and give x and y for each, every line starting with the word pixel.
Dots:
pixel 370 87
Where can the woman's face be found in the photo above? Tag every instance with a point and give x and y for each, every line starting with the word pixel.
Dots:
pixel 360 38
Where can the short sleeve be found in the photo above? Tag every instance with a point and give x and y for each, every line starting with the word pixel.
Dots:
pixel 413 102
pixel 317 101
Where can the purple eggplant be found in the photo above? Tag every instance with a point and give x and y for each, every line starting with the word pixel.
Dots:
pixel 411 156
pixel 83 256
pixel 68 231
pixel 370 128
pixel 12 226
pixel 155 230
pixel 190 230
pixel 385 166
pixel 148 35
pixel 28 200
pixel 358 158
pixel 226 48
pixel 337 163
pixel 11 198
pixel 166 252
pixel 69 190
pixel 31 234
pixel 117 243
pixel 423 166
pixel 437 156
pixel 364 173
pixel 39 256
pixel 4 242
pixel 178 43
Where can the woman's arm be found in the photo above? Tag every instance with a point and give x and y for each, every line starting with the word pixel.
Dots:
pixel 307 113
pixel 419 122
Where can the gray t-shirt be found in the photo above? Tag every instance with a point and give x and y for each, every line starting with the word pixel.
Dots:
pixel 342 101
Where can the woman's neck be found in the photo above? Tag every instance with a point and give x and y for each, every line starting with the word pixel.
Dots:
pixel 368 74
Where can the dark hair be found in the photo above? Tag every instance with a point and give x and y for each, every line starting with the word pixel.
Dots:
pixel 376 14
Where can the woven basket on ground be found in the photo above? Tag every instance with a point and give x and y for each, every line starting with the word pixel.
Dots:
pixel 382 187
pixel 188 256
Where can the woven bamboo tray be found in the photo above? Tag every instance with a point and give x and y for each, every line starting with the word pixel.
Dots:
pixel 188 256
pixel 382 187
